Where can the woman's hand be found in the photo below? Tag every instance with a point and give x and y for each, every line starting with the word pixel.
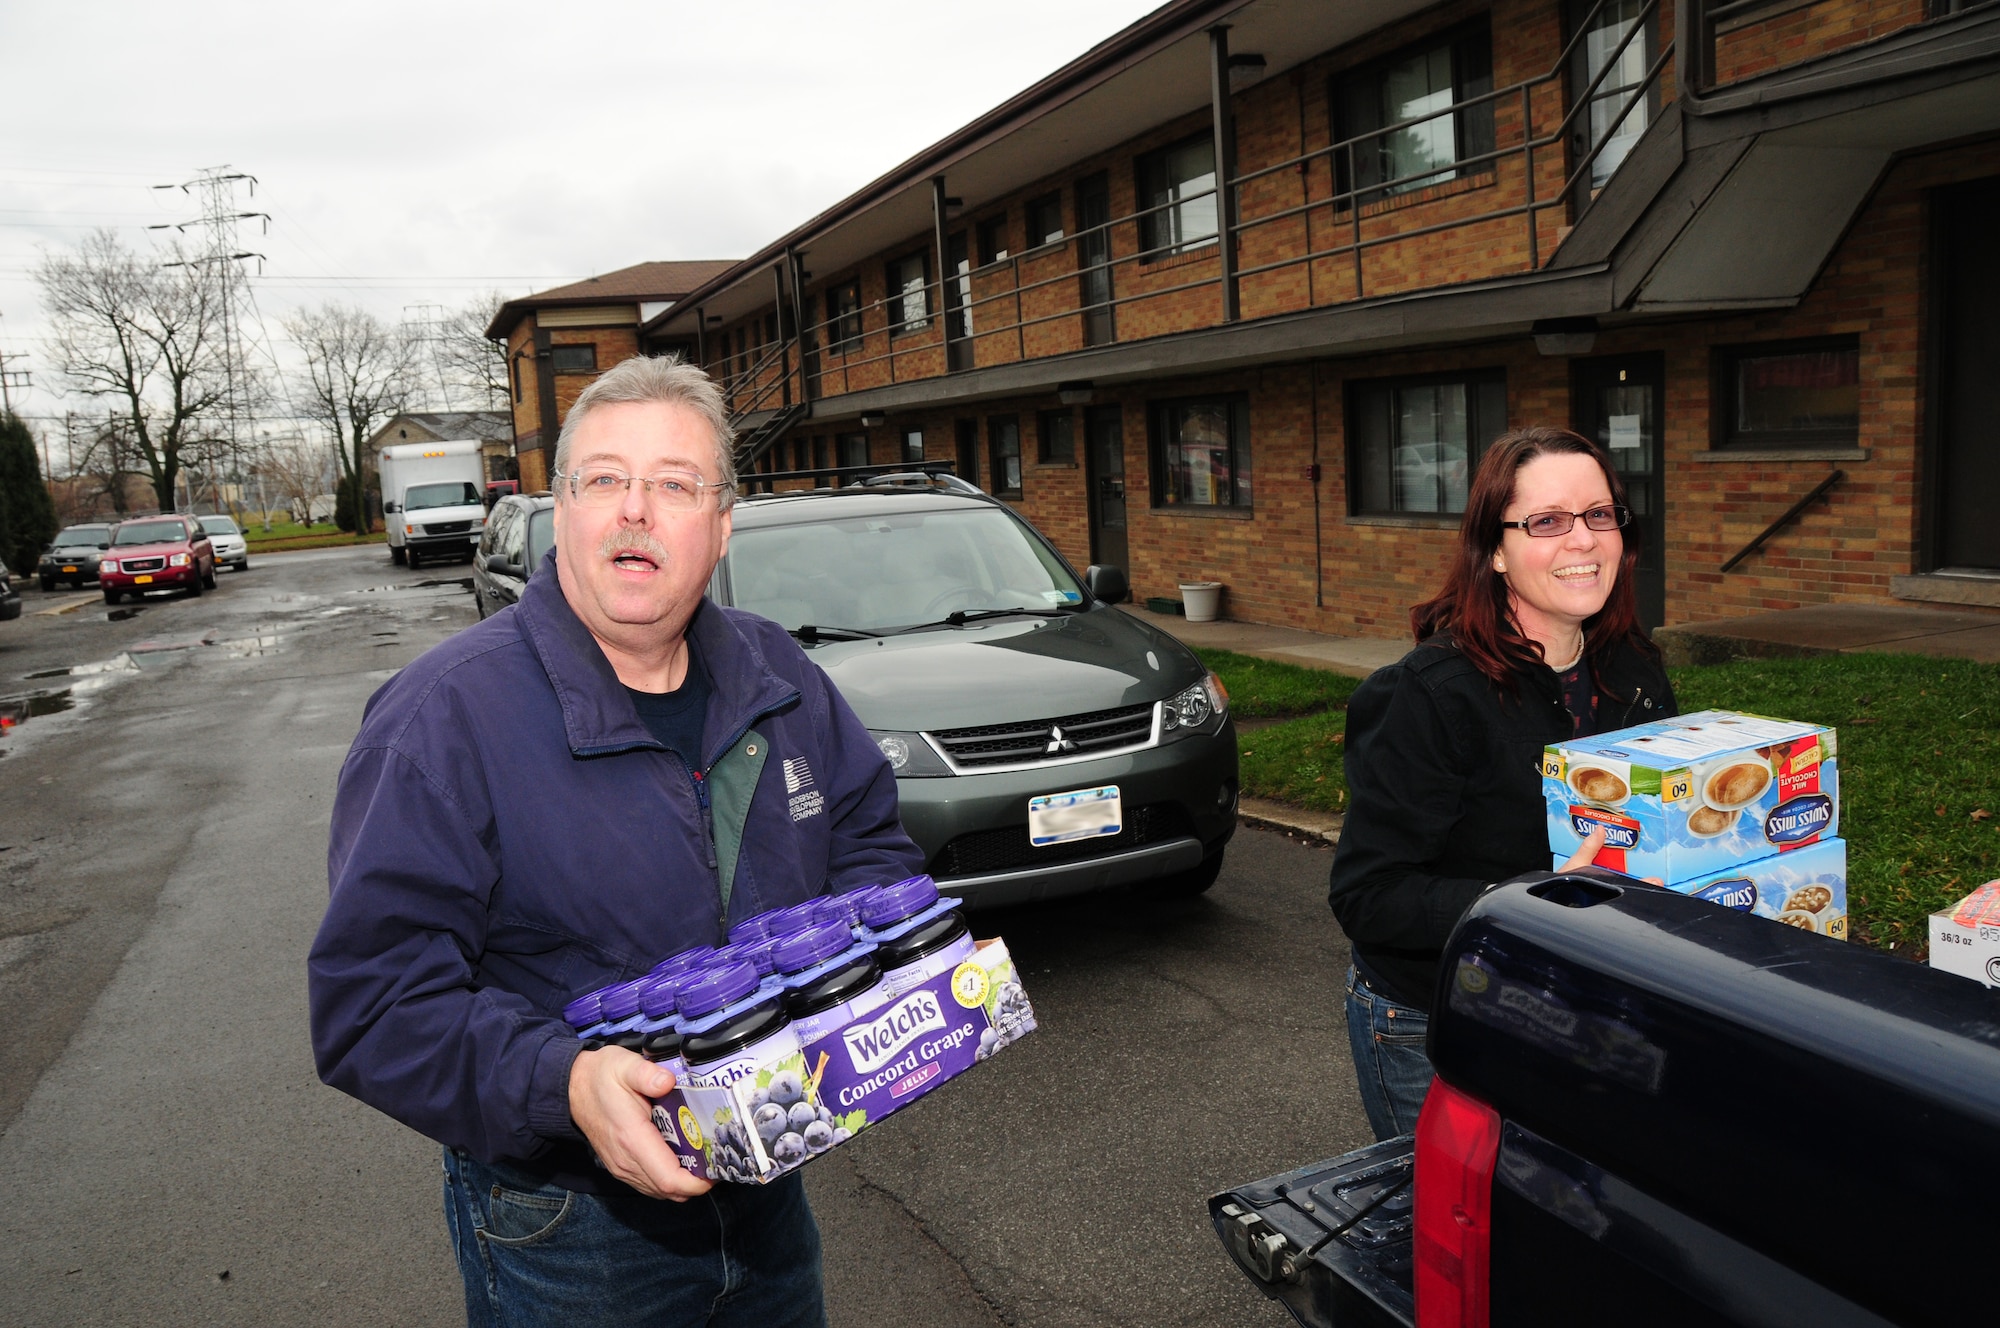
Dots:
pixel 1592 842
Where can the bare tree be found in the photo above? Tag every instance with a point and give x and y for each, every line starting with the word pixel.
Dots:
pixel 475 368
pixel 297 469
pixel 105 467
pixel 146 337
pixel 358 373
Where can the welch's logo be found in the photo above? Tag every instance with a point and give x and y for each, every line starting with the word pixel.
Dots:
pixel 874 1044
pixel 1619 831
pixel 1737 892
pixel 1798 819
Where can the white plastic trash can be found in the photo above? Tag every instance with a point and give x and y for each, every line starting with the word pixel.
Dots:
pixel 1202 600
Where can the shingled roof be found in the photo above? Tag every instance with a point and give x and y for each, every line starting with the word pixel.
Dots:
pixel 640 282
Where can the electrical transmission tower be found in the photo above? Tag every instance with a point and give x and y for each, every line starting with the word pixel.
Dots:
pixel 424 325
pixel 11 379
pixel 219 259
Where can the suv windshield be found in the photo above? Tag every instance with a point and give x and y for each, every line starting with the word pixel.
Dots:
pixel 458 493
pixel 76 535
pixel 219 525
pixel 151 532
pixel 878 572
pixel 541 534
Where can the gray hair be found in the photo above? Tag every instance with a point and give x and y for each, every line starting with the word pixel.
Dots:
pixel 664 379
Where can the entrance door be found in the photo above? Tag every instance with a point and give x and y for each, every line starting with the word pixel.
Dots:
pixel 1104 472
pixel 1621 403
pixel 1964 535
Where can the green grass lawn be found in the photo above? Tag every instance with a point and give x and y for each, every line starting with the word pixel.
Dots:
pixel 291 535
pixel 1919 762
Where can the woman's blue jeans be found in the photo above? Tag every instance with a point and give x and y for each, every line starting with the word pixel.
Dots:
pixel 1387 1039
pixel 537 1256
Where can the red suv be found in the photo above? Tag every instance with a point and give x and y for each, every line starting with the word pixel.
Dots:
pixel 157 553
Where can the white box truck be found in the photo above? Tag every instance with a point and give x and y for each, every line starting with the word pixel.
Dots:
pixel 433 499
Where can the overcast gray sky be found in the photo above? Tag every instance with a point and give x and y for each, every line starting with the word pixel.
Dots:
pixel 421 151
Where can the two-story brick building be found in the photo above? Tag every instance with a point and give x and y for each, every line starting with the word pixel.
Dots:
pixel 558 340
pixel 1748 245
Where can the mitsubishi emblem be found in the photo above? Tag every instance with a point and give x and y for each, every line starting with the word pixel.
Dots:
pixel 1057 742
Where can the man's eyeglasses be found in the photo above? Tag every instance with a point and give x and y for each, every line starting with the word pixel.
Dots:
pixel 1548 525
pixel 674 490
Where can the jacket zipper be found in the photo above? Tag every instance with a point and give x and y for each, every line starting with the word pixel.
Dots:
pixel 707 813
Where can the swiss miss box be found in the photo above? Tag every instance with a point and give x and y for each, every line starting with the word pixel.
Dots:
pixel 1684 797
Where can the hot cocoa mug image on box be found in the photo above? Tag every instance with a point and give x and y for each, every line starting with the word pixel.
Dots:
pixel 1705 822
pixel 1733 783
pixel 1595 784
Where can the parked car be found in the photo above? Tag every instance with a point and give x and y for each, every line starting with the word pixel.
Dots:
pixel 521 529
pixel 1651 1109
pixel 10 598
pixel 1044 742
pixel 157 553
pixel 71 558
pixel 232 546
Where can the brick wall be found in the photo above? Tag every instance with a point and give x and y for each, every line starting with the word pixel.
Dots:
pixel 1803 32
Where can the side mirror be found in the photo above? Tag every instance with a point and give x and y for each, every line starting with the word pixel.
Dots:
pixel 1107 583
pixel 104 546
pixel 390 507
pixel 498 565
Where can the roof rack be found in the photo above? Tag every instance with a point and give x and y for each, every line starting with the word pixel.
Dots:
pixel 895 475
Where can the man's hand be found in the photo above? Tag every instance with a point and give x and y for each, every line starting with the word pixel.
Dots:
pixel 608 1092
pixel 1581 858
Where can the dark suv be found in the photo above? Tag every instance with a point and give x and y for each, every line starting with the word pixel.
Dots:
pixel 1044 742
pixel 72 555
pixel 521 529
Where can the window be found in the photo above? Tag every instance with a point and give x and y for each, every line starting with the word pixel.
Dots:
pixel 1179 181
pixel 1055 441
pixel 1419 84
pixel 1609 24
pixel 1003 443
pixel 574 359
pixel 819 462
pixel 801 455
pixel 843 316
pixel 1093 259
pixel 909 301
pixel 1201 453
pixel 993 239
pixel 852 448
pixel 1413 442
pixel 514 372
pixel 967 440
pixel 1795 394
pixel 913 444
pixel 1044 220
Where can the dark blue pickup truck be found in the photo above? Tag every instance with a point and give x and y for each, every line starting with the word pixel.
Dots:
pixel 1650 1110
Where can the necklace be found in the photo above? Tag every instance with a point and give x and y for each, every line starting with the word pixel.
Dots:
pixel 1565 668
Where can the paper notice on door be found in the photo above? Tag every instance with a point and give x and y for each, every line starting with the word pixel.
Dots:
pixel 1625 432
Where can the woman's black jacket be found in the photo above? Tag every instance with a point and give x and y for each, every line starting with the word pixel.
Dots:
pixel 1445 796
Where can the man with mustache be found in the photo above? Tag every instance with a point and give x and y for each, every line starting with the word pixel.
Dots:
pixel 552 801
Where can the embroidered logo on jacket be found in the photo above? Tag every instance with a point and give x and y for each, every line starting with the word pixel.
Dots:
pixel 804 800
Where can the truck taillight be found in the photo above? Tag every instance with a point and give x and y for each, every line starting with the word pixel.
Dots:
pixel 1458 1145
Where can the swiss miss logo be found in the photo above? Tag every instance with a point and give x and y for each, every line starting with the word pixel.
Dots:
pixel 1797 820
pixel 1620 832
pixel 1737 892
pixel 872 1045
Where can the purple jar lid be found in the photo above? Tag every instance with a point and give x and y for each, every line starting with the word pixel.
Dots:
pixel 682 962
pixel 620 1002
pixel 845 908
pixel 815 945
pixel 757 954
pixel 716 987
pixel 798 917
pixel 753 928
pixel 659 996
pixel 584 1012
pixel 905 899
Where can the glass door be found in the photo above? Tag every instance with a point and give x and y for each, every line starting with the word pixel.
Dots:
pixel 1620 402
pixel 1104 473
pixel 1962 534
pixel 1601 122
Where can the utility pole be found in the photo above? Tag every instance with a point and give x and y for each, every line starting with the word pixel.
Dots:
pixel 424 324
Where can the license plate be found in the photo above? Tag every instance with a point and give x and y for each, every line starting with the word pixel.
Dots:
pixel 68 570
pixel 141 580
pixel 1061 818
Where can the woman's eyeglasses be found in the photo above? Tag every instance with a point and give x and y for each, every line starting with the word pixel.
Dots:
pixel 1548 525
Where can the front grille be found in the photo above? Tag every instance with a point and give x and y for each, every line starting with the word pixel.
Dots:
pixel 1027 742
pixel 447 527
pixel 143 564
pixel 984 851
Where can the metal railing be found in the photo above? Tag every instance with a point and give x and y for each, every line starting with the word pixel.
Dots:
pixel 885 351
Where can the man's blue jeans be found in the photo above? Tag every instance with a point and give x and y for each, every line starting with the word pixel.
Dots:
pixel 1387 1039
pixel 538 1256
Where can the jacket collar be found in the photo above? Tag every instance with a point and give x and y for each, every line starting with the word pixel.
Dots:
pixel 598 715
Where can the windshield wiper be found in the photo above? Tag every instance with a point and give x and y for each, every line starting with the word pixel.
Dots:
pixel 809 634
pixel 960 617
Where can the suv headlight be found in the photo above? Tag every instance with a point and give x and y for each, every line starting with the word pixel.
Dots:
pixel 178 560
pixel 1195 708
pixel 909 755
pixel 107 564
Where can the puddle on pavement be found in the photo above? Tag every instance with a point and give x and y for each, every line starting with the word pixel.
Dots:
pixel 248 647
pixel 18 710
pixel 116 664
pixel 452 582
pixel 121 615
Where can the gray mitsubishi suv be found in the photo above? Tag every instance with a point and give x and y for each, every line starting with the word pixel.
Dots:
pixel 1045 742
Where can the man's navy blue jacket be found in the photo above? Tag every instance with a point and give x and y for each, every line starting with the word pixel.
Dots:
pixel 507 835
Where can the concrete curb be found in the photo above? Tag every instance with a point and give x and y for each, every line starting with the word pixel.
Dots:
pixel 70 605
pixel 1265 814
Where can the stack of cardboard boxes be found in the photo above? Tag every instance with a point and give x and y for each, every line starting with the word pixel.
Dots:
pixel 1737 809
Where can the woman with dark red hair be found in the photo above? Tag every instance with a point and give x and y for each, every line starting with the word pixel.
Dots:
pixel 1534 639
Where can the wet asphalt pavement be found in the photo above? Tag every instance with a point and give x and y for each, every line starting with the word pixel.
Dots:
pixel 170 1155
